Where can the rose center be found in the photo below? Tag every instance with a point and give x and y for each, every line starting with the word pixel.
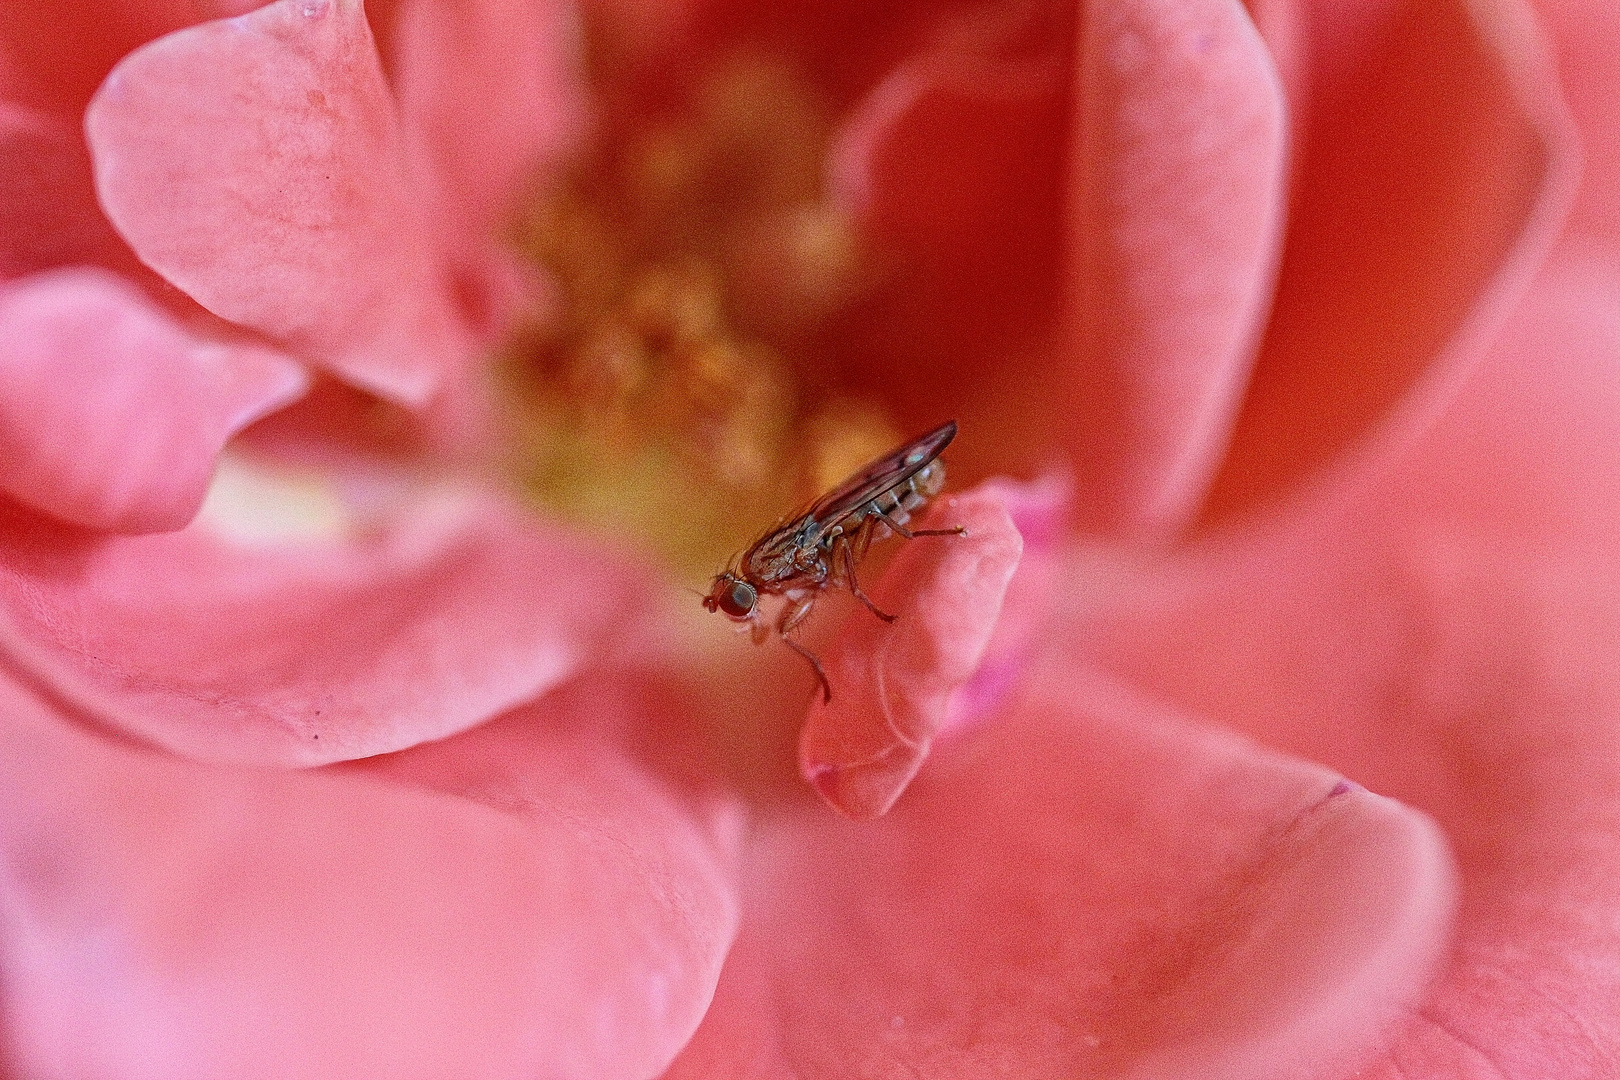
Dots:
pixel 674 391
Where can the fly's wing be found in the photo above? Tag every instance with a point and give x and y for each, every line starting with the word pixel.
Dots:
pixel 888 471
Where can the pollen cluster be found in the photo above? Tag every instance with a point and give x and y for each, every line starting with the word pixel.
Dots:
pixel 673 391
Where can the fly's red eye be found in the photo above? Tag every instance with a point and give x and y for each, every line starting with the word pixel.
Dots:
pixel 738 600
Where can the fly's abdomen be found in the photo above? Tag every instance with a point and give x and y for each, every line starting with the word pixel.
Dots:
pixel 904 500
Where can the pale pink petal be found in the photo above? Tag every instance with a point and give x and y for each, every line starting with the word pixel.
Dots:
pixel 451 609
pixel 552 910
pixel 1083 887
pixel 1446 634
pixel 893 682
pixel 111 415
pixel 258 164
pixel 492 98
pixel 1434 164
pixel 1178 180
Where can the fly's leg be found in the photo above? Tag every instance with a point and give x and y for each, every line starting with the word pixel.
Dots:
pixel 845 551
pixel 794 611
pixel 912 534
pixel 792 615
pixel 864 537
pixel 821 676
pixel 758 629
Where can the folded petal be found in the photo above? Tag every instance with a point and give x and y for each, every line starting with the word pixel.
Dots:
pixel 566 917
pixel 1040 509
pixel 111 414
pixel 1083 887
pixel 1178 180
pixel 314 642
pixel 895 681
pixel 257 163
pixel 1434 164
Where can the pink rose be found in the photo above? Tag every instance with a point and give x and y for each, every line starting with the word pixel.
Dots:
pixel 1270 739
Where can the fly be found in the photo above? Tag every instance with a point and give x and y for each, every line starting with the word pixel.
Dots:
pixel 802 556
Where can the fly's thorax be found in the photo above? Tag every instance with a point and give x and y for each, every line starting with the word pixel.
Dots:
pixel 808 559
pixel 770 558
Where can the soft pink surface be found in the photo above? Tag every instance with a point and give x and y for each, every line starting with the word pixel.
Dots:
pixel 522 895
pixel 491 98
pixel 1083 886
pixel 1428 161
pixel 48 211
pixel 952 160
pixel 111 415
pixel 258 163
pixel 444 612
pixel 1084 879
pixel 1589 71
pixel 1447 636
pixel 1040 510
pixel 1178 177
pixel 893 682
pixel 1433 163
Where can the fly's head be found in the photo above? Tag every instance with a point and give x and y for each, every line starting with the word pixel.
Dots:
pixel 732 595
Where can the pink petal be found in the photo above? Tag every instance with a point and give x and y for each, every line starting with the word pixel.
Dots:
pixel 954 162
pixel 1435 163
pixel 56 54
pixel 492 98
pixel 1178 182
pixel 492 93
pixel 1446 634
pixel 48 211
pixel 111 415
pixel 450 609
pixel 893 682
pixel 1040 510
pixel 551 910
pixel 257 163
pixel 1589 70
pixel 1084 887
